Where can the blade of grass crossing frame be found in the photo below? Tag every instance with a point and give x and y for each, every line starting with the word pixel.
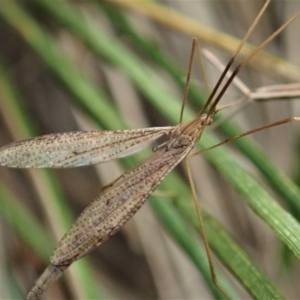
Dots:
pixel 276 178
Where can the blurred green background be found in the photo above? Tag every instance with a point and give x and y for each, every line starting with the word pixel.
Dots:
pixel 86 65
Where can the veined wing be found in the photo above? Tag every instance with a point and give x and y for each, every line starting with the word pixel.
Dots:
pixel 116 204
pixel 74 149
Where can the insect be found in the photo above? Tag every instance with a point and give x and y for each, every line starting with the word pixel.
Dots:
pixel 119 200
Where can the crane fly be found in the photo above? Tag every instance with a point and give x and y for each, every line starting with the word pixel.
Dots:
pixel 121 199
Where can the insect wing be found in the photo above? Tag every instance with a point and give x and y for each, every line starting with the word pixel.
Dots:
pixel 115 205
pixel 74 149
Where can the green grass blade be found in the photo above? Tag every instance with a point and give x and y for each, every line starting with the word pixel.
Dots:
pixel 120 57
pixel 281 183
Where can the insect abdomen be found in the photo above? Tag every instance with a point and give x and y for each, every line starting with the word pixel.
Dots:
pixel 51 274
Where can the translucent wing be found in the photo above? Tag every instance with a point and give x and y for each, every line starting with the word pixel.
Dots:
pixel 74 149
pixel 115 205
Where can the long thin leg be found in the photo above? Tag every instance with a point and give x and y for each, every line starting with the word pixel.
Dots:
pixel 238 68
pixel 204 236
pixel 230 63
pixel 253 53
pixel 277 123
pixel 188 78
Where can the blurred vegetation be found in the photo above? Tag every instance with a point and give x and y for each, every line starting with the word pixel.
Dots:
pixel 95 64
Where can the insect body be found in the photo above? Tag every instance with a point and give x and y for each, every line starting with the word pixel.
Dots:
pixel 120 200
pixel 117 202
